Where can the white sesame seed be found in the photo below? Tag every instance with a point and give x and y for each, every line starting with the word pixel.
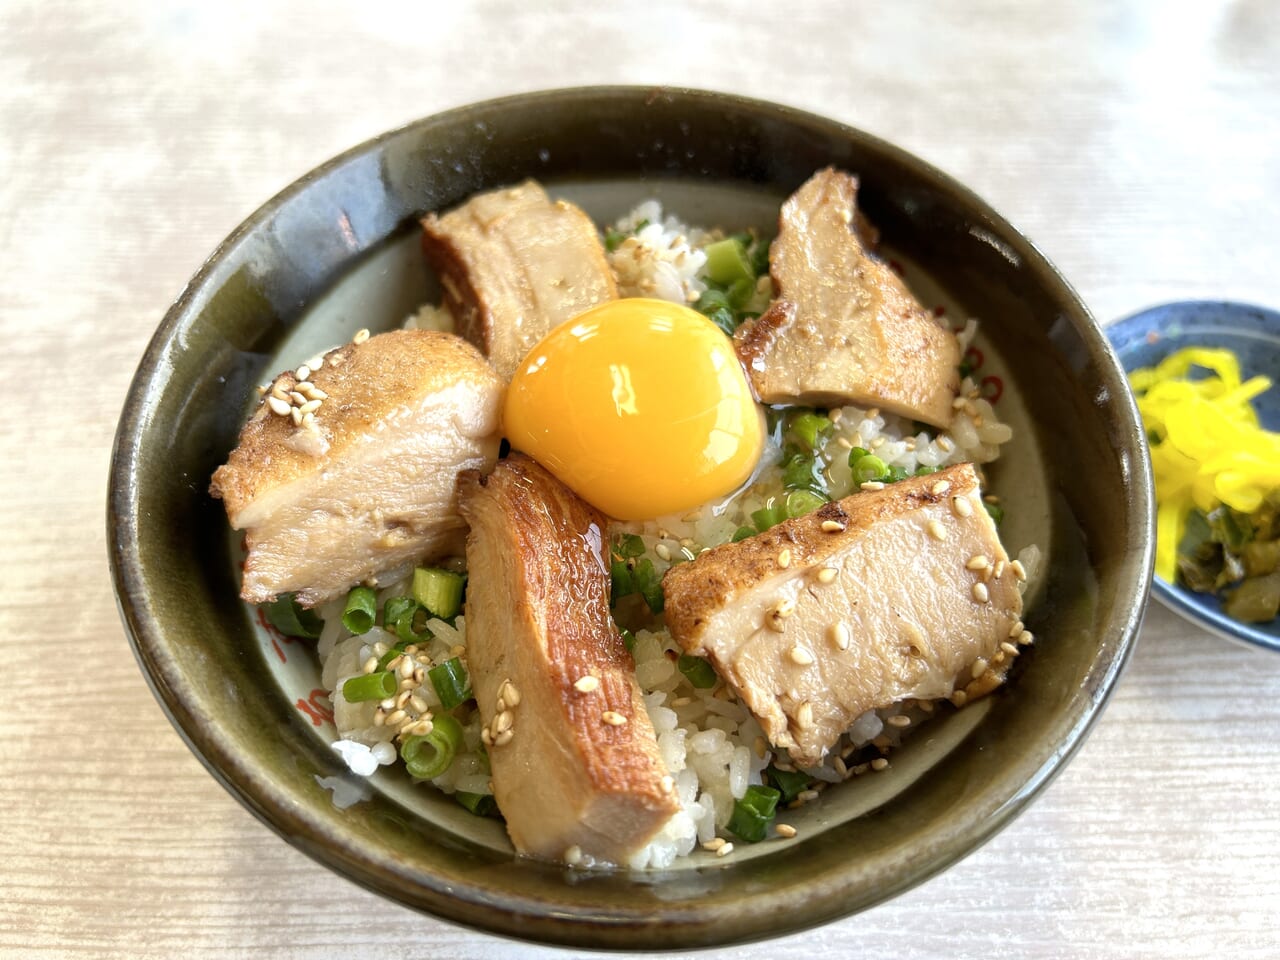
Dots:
pixel 663 551
pixel 420 729
pixel 873 413
pixel 784 558
pixel 959 697
pixel 681 702
pixel 379 717
pixel 503 738
pixel 879 763
pixel 396 717
pixel 380 648
pixel 785 830
pixel 715 843
pixel 844 442
pixel 279 392
pixel 840 635
pixel 318 394
pixel 980 592
pixel 962 506
pixel 801 657
pixel 613 718
pixel 360 336
pixel 486 737
pixel 311 406
pixel 510 694
pixel 418 704
pixel 419 675
pixel 1019 570
pixel 369 665
pixel 263 388
pixel 807 795
pixel 502 722
pixel 804 715
pixel 945 443
pixel 278 406
pixel 587 684
pixel 304 387
pixel 1016 629
pixel 403 697
pixel 1009 648
pixel 725 850
pixel 839 765
pixel 877 443
pixel 573 856
pixel 958 403
pixel 999 569
pixel 832 526
pixel 296 398
pixel 407 666
pixel 296 416
pixel 303 373
pixel 937 530
pixel 941 487
pixel 785 608
pixel 899 720
pixel 871 485
pixel 759 747
pixel 500 705
pixel 979 667
pixel 826 574
pixel 1026 637
pixel 316 362
pixel 977 562
pixel 998 658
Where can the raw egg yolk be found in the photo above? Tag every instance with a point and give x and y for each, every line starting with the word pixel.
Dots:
pixel 639 406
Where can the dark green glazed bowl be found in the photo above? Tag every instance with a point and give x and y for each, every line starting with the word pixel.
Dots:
pixel 335 251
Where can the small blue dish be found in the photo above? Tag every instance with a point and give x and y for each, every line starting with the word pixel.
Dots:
pixel 1253 335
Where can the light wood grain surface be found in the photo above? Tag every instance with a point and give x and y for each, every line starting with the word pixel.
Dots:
pixel 1138 143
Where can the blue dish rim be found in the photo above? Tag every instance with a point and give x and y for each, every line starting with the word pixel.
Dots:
pixel 1202 609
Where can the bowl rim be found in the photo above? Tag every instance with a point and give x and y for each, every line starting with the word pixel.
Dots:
pixel 1195 608
pixel 513 915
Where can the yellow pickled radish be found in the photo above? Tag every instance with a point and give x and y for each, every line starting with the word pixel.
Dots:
pixel 1207 445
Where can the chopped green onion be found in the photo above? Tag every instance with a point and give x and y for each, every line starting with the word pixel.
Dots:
pixel 428 756
pixel 925 471
pixel 995 511
pixel 856 454
pixel 630 545
pixel 292 619
pixel 451 683
pixel 770 515
pixel 790 782
pixel 628 640
pixel 613 239
pixel 712 299
pixel 697 671
pixel 741 292
pixel 440 591
pixel 897 473
pixel 809 426
pixel 391 654
pixel 753 813
pixel 361 608
pixel 727 262
pixel 481 804
pixel 621 583
pixel 395 608
pixel 801 472
pixel 743 237
pixel 869 468
pixel 370 686
pixel 760 256
pixel 803 502
pixel 743 532
pixel 405 628
pixel 649 585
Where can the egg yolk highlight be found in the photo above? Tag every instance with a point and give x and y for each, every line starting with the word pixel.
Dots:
pixel 639 406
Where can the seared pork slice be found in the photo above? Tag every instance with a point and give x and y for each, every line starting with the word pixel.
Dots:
pixel 514 264
pixel 844 327
pixel 574 758
pixel 885 595
pixel 364 482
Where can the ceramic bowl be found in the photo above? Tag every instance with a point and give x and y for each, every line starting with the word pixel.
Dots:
pixel 1253 335
pixel 338 250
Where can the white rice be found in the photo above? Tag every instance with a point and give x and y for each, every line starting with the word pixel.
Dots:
pixel 711 745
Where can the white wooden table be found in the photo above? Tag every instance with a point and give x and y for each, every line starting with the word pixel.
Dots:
pixel 1137 143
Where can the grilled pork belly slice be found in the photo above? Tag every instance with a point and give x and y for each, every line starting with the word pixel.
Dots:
pixel 364 483
pixel 844 327
pixel 574 758
pixel 885 595
pixel 514 264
